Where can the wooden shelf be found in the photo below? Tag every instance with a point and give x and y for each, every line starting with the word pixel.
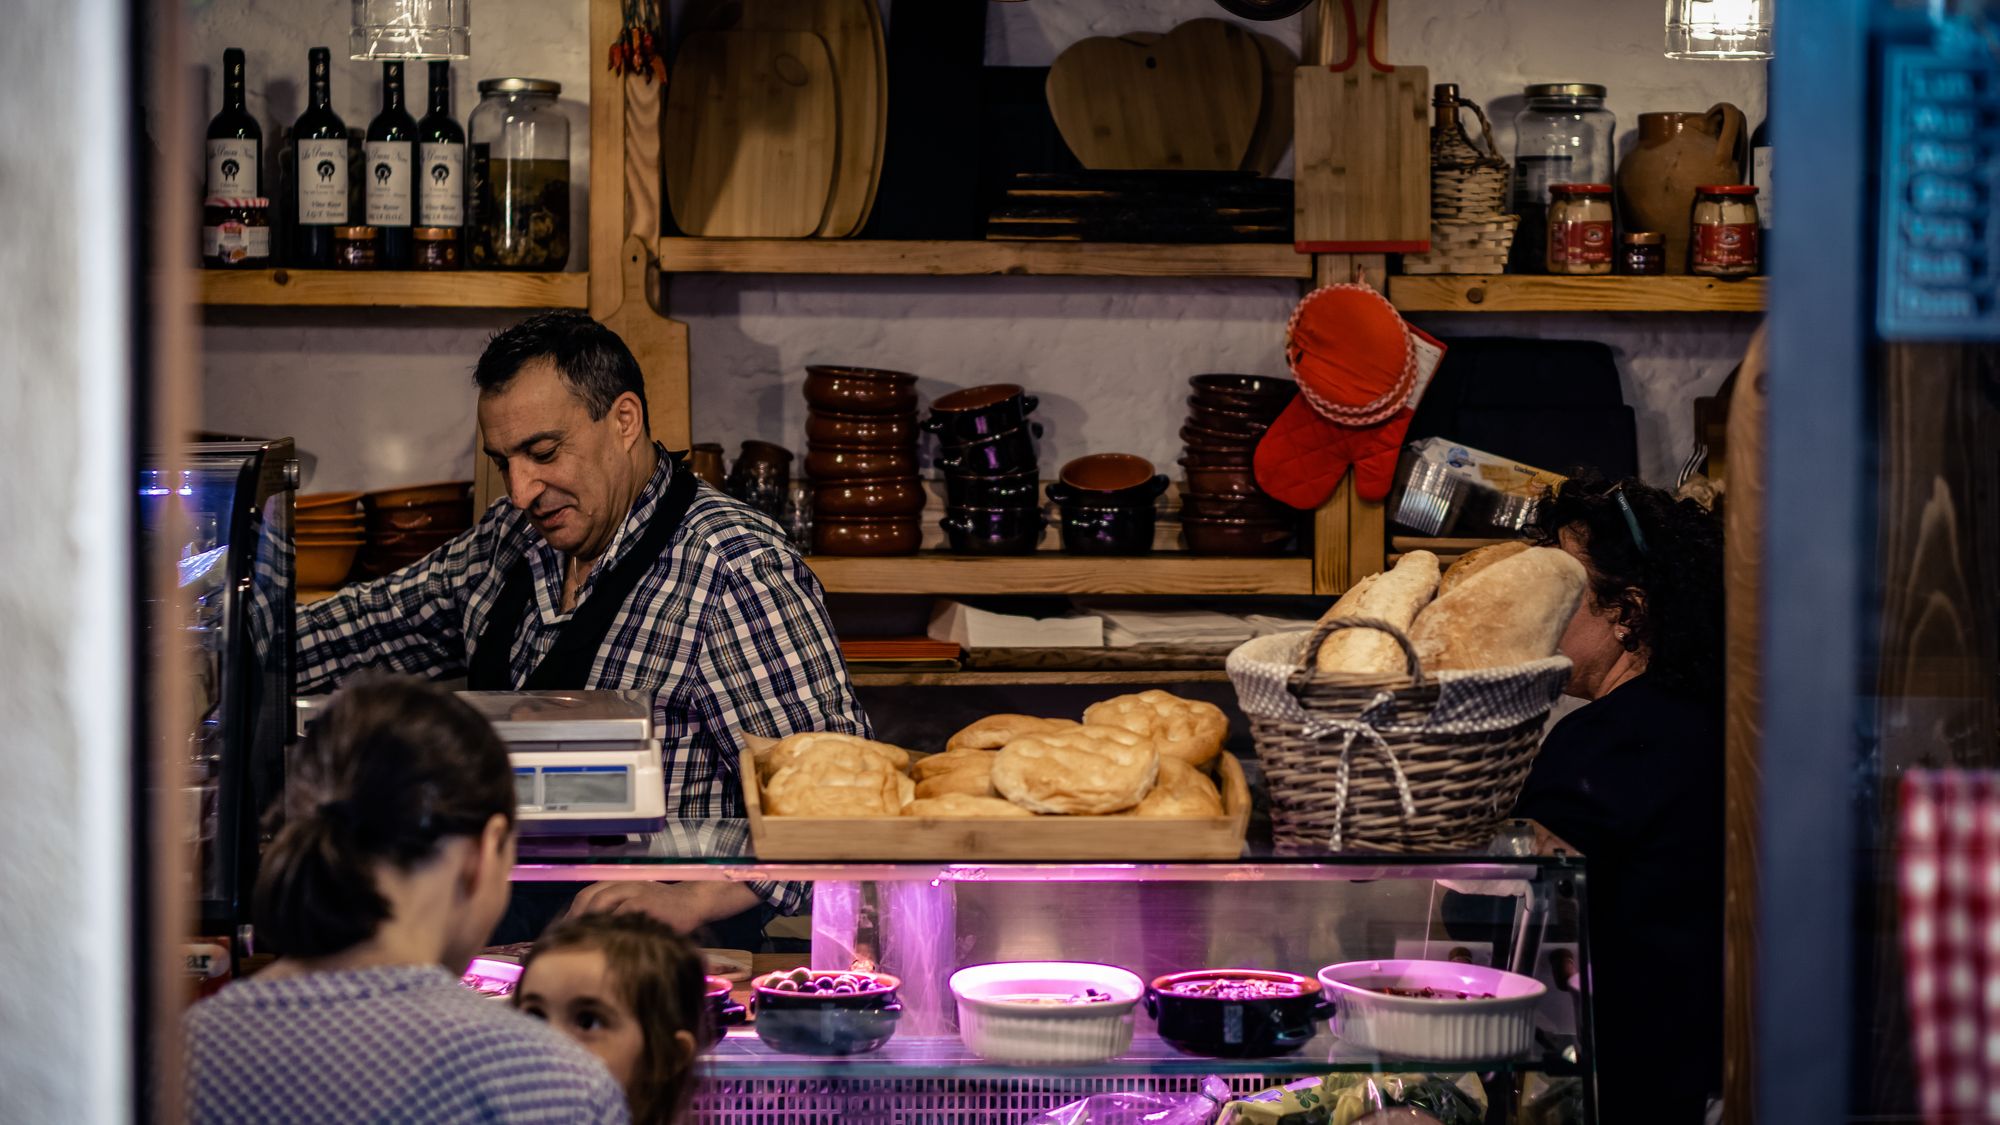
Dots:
pixel 1531 293
pixel 459 289
pixel 1000 678
pixel 978 259
pixel 1053 573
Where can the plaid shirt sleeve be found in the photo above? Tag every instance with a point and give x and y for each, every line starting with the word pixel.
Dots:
pixel 408 622
pixel 770 649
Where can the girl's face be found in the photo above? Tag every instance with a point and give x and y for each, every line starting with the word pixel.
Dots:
pixel 572 989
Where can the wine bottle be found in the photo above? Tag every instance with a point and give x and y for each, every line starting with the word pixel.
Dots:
pixel 319 142
pixel 390 187
pixel 235 142
pixel 441 161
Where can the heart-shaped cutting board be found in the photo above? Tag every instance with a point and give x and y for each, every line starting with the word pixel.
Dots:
pixel 1188 100
pixel 752 128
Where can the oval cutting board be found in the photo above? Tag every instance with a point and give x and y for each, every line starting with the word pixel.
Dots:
pixel 752 124
pixel 1188 100
pixel 852 30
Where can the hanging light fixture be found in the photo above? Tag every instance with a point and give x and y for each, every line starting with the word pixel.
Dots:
pixel 411 29
pixel 1719 29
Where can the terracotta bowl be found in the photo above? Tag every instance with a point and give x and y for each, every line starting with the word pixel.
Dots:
pixel 1263 388
pixel 1225 457
pixel 1233 506
pixel 324 566
pixel 860 390
pixel 828 428
pixel 834 535
pixel 1226 421
pixel 848 462
pixel 310 501
pixel 1232 480
pixel 1236 537
pixel 453 517
pixel 326 524
pixel 1201 437
pixel 880 496
pixel 409 496
pixel 1106 472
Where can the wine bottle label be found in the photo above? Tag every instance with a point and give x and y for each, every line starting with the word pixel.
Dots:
pixel 388 183
pixel 323 182
pixel 232 168
pixel 441 190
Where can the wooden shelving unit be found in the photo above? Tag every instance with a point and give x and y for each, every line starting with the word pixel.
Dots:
pixel 1447 550
pixel 1008 679
pixel 981 259
pixel 459 289
pixel 1052 573
pixel 1532 293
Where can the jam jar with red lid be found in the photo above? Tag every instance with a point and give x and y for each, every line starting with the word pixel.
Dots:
pixel 1723 240
pixel 1580 241
pixel 236 233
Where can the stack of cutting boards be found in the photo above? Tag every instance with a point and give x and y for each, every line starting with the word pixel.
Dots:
pixel 775 119
pixel 1205 207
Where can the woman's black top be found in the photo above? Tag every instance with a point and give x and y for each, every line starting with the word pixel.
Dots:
pixel 1634 780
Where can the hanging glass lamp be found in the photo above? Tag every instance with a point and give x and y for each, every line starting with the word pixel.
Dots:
pixel 411 29
pixel 1719 29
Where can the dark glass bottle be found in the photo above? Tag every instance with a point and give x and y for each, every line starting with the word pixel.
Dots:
pixel 1762 161
pixel 390 185
pixel 319 172
pixel 441 163
pixel 235 142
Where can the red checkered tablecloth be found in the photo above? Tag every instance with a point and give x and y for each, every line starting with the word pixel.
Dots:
pixel 1949 857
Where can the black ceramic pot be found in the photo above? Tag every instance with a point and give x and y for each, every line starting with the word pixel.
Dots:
pixel 1137 496
pixel 1237 1026
pixel 993 531
pixel 804 1023
pixel 1107 531
pixel 1009 451
pixel 721 1012
pixel 978 412
pixel 1005 490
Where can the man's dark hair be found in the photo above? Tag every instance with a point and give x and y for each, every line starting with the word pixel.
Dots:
pixel 594 363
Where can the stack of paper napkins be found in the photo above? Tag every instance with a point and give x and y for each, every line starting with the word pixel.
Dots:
pixel 978 628
pixel 1126 627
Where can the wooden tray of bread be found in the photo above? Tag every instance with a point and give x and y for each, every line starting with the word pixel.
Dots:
pixel 836 797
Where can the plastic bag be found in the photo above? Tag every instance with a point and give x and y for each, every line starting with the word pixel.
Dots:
pixel 1366 1099
pixel 1142 1109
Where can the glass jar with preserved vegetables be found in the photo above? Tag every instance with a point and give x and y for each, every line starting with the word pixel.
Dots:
pixel 520 168
pixel 1562 136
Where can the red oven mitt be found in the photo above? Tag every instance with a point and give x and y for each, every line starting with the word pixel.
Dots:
pixel 1356 364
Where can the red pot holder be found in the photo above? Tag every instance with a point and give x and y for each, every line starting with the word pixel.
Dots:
pixel 1359 369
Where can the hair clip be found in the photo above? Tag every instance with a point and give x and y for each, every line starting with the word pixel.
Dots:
pixel 1631 519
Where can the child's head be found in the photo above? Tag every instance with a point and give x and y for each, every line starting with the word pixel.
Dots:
pixel 630 990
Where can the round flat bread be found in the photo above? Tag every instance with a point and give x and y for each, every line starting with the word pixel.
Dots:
pixel 950 762
pixel 960 805
pixel 1084 771
pixel 1188 729
pixel 974 780
pixel 787 751
pixel 995 731
pixel 838 781
pixel 1181 790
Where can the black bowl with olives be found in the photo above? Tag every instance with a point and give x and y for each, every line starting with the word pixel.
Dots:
pixel 818 1012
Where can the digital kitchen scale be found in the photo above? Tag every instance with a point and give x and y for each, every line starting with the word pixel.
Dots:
pixel 585 762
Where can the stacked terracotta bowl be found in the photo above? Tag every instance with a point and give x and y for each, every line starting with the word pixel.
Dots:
pixel 1106 500
pixel 992 477
pixel 405 524
pixel 1223 512
pixel 861 455
pixel 327 531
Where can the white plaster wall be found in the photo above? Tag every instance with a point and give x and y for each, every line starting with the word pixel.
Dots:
pixel 377 404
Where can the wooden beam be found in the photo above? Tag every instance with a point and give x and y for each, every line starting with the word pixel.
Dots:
pixel 966 258
pixel 1743 572
pixel 607 161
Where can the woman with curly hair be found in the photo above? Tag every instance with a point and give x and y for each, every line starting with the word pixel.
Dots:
pixel 1633 779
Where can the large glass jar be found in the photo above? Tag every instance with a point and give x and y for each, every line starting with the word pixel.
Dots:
pixel 520 170
pixel 1562 136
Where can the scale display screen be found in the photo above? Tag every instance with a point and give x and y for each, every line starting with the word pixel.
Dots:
pixel 604 788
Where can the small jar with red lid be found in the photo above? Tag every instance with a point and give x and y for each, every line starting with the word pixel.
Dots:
pixel 1580 234
pixel 1722 240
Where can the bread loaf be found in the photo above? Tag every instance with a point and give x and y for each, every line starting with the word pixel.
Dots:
pixel 951 761
pixel 995 731
pixel 960 805
pixel 1084 771
pixel 1181 791
pixel 1511 612
pixel 974 779
pixel 1476 560
pixel 1192 730
pixel 788 751
pixel 834 780
pixel 1396 597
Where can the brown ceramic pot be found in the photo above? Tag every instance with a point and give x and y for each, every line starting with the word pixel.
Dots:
pixel 860 390
pixel 1107 472
pixel 828 428
pixel 1235 536
pixel 1677 153
pixel 881 496
pixel 835 535
pixel 705 461
pixel 847 462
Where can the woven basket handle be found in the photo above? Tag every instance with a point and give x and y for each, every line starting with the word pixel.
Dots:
pixel 1309 656
pixel 1485 131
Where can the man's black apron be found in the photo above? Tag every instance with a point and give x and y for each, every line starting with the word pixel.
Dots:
pixel 567 668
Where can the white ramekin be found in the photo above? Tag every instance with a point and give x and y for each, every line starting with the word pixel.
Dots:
pixel 1408 1027
pixel 1004 1032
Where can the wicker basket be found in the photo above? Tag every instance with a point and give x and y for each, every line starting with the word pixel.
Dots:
pixel 1471 231
pixel 1401 765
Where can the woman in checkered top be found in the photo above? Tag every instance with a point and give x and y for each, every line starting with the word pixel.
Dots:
pixel 390 871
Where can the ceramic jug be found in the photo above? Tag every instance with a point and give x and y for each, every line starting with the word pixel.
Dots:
pixel 1677 153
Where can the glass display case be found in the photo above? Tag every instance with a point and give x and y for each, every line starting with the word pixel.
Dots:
pixel 225 512
pixel 1516 906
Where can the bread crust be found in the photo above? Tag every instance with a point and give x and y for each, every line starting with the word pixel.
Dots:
pixel 1191 730
pixel 1396 597
pixel 1476 560
pixel 995 731
pixel 838 781
pixel 1511 612
pixel 1087 771
pixel 1180 791
pixel 961 805
pixel 787 751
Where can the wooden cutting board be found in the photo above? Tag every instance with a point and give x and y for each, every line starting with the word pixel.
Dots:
pixel 1364 162
pixel 1274 118
pixel 1189 100
pixel 852 30
pixel 752 124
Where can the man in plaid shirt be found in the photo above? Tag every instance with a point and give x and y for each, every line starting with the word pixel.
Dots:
pixel 608 566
